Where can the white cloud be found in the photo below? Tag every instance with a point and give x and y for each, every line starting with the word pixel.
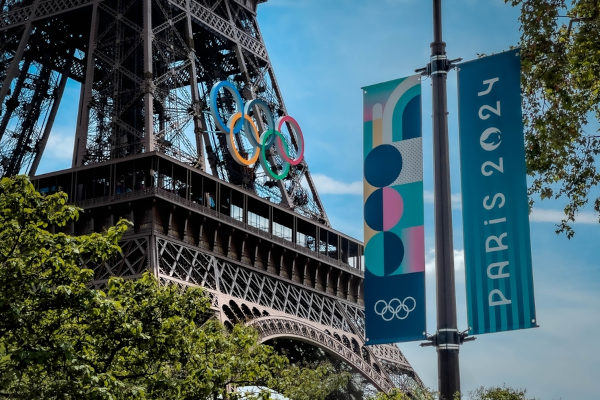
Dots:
pixel 555 216
pixel 58 152
pixel 286 4
pixel 60 145
pixel 566 311
pixel 455 198
pixel 328 185
pixel 459 261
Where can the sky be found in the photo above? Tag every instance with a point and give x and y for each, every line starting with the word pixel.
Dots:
pixel 323 52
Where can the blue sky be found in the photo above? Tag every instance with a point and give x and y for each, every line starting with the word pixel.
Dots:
pixel 323 52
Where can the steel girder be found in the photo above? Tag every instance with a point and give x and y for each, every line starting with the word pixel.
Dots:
pixel 251 274
pixel 276 308
pixel 145 68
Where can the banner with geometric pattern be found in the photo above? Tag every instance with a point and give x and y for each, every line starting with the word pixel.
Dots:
pixel 393 212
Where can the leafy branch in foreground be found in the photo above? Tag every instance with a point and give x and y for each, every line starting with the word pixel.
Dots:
pixel 59 338
pixel 560 60
pixel 498 393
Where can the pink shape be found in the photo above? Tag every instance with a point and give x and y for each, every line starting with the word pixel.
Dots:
pixel 393 207
pixel 416 241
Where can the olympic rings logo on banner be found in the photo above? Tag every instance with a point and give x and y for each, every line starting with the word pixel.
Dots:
pixel 241 121
pixel 395 308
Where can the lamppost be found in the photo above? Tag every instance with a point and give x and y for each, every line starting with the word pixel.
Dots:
pixel 447 339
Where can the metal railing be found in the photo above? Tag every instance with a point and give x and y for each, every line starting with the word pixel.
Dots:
pixel 168 195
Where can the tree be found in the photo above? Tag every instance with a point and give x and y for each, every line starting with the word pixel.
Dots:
pixel 482 393
pixel 310 356
pixel 59 338
pixel 416 392
pixel 560 59
pixel 394 394
pixel 498 393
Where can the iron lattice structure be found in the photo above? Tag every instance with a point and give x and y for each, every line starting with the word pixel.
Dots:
pixel 146 148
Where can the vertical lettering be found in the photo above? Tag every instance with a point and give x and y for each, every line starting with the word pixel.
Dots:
pixel 494 221
pixel 490 83
pixel 502 300
pixel 498 241
pixel 499 272
pixel 497 196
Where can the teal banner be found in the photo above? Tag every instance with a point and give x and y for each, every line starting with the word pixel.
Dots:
pixel 393 210
pixel 495 208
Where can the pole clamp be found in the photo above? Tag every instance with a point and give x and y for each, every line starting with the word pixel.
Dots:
pixel 439 64
pixel 447 339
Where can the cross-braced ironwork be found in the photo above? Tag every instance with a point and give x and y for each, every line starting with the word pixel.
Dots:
pixel 147 149
pixel 145 68
pixel 261 264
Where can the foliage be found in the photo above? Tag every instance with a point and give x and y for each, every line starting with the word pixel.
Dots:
pixel 135 340
pixel 416 393
pixel 482 393
pixel 352 385
pixel 315 383
pixel 394 394
pixel 498 393
pixel 560 53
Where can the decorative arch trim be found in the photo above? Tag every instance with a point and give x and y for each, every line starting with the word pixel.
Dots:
pixel 273 327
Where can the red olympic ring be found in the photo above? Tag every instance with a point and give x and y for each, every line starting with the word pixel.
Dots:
pixel 296 131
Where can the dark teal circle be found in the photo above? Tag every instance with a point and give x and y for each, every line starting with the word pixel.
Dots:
pixel 385 252
pixel 383 165
pixel 374 210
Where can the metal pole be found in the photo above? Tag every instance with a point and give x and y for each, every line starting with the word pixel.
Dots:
pixel 447 338
pixel 148 37
pixel 85 98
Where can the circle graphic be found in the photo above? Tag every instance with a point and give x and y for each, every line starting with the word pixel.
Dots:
pixel 231 145
pixel 490 139
pixel 293 124
pixel 395 308
pixel 383 165
pixel 263 157
pixel 263 108
pixel 239 103
pixel 275 160
pixel 383 209
pixel 385 252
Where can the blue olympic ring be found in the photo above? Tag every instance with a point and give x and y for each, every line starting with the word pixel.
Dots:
pixel 261 143
pixel 213 104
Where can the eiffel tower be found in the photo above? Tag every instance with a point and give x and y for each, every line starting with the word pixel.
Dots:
pixel 147 148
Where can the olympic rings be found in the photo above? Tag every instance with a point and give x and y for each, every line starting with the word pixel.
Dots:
pixel 263 157
pixel 215 111
pixel 298 132
pixel 395 308
pixel 241 121
pixel 231 140
pixel 261 105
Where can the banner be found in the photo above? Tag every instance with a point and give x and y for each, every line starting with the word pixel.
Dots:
pixel 494 195
pixel 393 211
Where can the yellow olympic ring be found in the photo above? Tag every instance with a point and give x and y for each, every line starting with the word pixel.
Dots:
pixel 231 140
